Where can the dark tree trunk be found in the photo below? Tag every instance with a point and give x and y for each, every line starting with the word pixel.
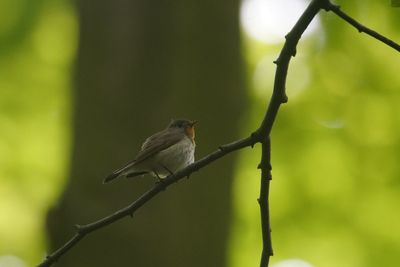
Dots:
pixel 141 63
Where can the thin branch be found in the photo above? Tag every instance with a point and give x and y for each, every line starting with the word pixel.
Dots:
pixel 261 135
pixel 278 97
pixel 361 28
pixel 282 64
pixel 83 230
pixel 266 177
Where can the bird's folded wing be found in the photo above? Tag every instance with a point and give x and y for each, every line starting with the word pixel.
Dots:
pixel 154 144
pixel 158 142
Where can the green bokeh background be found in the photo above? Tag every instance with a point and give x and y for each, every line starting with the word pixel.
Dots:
pixel 38 41
pixel 335 194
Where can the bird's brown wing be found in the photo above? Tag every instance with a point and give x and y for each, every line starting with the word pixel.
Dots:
pixel 152 145
pixel 158 142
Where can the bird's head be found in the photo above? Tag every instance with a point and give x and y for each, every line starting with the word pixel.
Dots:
pixel 185 125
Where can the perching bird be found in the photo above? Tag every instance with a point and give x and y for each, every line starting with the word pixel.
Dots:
pixel 163 153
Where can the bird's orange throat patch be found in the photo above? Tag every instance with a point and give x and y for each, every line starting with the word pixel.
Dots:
pixel 190 132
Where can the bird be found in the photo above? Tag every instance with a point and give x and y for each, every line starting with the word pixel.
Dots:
pixel 163 153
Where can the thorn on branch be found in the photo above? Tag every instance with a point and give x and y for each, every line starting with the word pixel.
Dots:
pixel 328 6
pixel 78 227
pixel 256 137
pixel 265 165
pixel 294 52
pixel 284 99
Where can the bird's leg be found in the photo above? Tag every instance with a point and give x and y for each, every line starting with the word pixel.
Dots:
pixel 159 179
pixel 168 170
pixel 158 176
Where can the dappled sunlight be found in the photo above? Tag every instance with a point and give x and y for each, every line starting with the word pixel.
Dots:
pixel 269 21
pixel 11 261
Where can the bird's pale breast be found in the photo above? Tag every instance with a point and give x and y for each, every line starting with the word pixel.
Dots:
pixel 175 157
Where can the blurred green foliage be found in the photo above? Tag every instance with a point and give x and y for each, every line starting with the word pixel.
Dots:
pixel 335 196
pixel 37 47
pixel 335 193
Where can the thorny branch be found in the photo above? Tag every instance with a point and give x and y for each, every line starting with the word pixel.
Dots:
pixel 83 230
pixel 261 135
pixel 266 177
pixel 361 28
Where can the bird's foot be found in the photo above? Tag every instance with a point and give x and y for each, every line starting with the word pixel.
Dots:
pixel 167 169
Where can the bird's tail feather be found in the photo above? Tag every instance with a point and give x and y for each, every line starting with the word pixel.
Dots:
pixel 119 172
pixel 127 175
pixel 134 174
pixel 111 177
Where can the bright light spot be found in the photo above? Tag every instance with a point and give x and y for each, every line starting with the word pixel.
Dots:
pixel 11 261
pixel 270 20
pixel 292 263
pixel 332 124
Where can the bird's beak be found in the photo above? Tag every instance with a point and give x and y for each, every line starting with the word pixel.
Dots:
pixel 192 123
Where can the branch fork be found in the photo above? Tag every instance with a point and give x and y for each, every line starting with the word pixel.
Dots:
pixel 261 135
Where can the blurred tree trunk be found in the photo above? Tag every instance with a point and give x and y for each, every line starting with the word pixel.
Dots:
pixel 141 63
